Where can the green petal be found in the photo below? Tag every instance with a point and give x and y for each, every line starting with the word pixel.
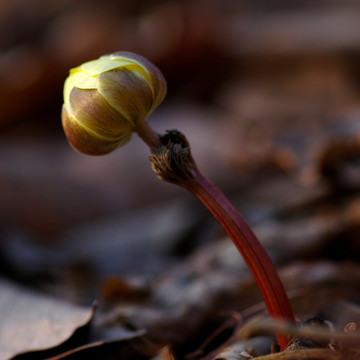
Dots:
pixel 155 77
pixel 103 64
pixel 133 60
pixel 84 141
pixel 78 79
pixel 96 115
pixel 82 80
pixel 128 92
pixel 68 86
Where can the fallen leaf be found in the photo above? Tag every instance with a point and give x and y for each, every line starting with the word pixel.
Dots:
pixel 32 322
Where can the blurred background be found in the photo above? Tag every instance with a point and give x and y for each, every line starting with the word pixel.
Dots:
pixel 267 92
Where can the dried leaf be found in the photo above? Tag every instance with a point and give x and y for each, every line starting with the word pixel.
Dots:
pixel 34 322
pixel 132 347
pixel 244 350
pixel 317 334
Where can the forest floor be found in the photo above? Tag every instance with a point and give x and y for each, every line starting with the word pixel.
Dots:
pixel 100 259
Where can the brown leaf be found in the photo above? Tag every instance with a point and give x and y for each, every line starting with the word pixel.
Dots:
pixel 31 321
pixel 131 347
pixel 244 350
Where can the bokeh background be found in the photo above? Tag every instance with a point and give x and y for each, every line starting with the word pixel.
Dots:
pixel 267 92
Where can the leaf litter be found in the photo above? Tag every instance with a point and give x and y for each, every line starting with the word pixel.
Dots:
pixel 288 156
pixel 27 316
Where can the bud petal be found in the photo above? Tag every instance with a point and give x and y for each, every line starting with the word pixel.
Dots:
pixel 128 92
pixel 90 109
pixel 156 78
pixel 105 99
pixel 84 140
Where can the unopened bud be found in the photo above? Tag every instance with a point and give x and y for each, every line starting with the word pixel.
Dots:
pixel 105 99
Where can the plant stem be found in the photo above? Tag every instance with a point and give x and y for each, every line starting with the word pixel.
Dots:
pixel 172 162
pixel 252 251
pixel 148 135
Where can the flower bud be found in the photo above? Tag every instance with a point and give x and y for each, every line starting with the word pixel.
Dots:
pixel 105 99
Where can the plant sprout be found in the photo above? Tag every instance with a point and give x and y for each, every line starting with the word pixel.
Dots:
pixel 107 100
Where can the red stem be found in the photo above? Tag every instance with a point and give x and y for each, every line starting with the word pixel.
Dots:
pixel 148 135
pixel 248 245
pixel 250 248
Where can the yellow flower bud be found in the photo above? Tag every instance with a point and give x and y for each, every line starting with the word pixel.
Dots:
pixel 105 99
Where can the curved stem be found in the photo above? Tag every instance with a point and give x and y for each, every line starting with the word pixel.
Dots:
pixel 148 135
pixel 248 245
pixel 172 162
